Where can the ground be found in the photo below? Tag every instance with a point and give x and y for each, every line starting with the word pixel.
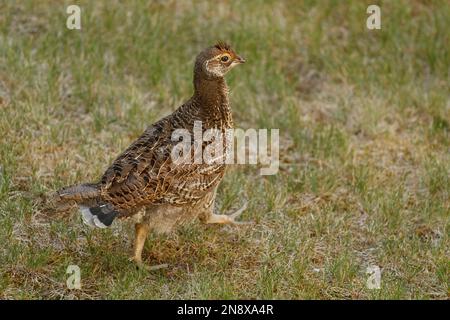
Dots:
pixel 364 133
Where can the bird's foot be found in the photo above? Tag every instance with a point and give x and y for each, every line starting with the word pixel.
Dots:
pixel 229 219
pixel 237 214
pixel 142 266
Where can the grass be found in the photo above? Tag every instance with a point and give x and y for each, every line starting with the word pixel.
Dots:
pixel 364 123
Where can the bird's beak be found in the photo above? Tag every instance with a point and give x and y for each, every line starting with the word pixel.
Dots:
pixel 239 59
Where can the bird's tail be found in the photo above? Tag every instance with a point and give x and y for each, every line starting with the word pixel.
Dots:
pixel 94 211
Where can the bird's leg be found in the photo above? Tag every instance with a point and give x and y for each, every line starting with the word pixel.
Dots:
pixel 142 231
pixel 227 219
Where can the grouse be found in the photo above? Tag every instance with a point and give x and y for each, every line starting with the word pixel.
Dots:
pixel 147 182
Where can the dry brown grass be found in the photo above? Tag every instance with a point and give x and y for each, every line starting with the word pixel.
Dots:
pixel 364 126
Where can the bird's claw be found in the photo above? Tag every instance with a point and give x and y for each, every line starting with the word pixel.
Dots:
pixel 237 213
pixel 145 267
pixel 142 266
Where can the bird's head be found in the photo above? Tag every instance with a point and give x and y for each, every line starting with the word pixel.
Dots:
pixel 216 61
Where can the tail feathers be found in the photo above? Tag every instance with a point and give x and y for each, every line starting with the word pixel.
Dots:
pixel 79 192
pixel 94 211
pixel 66 198
pixel 100 216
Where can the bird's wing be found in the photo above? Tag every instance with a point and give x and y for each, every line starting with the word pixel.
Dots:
pixel 137 157
pixel 124 184
pixel 145 174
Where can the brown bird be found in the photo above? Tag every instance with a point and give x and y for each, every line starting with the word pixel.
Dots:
pixel 146 182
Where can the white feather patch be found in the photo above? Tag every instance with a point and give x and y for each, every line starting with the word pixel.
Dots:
pixel 88 217
pixel 98 223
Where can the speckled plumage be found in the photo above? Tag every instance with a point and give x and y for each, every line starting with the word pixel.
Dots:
pixel 145 179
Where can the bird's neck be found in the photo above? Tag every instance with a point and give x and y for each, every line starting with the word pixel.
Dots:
pixel 211 95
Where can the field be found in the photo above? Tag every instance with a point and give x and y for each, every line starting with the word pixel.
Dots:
pixel 364 119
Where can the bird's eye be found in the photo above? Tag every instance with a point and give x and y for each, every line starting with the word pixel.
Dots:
pixel 224 58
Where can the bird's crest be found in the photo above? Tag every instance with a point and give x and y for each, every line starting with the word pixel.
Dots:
pixel 222 45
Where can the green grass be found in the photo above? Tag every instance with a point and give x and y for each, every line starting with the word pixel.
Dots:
pixel 364 123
